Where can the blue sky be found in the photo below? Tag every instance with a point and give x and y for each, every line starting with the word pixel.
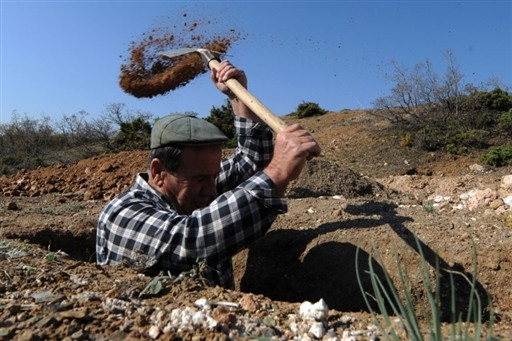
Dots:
pixel 60 57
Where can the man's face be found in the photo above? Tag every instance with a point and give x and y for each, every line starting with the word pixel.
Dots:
pixel 193 185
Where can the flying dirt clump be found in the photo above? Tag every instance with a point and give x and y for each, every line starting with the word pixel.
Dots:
pixel 147 74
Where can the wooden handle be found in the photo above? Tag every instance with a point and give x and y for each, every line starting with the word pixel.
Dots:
pixel 274 122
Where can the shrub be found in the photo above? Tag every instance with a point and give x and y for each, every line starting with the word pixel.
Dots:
pixel 133 135
pixel 222 117
pixel 475 138
pixel 406 138
pixel 496 99
pixel 505 121
pixel 456 150
pixel 309 109
pixel 499 156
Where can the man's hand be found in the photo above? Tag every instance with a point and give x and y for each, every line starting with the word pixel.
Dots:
pixel 226 71
pixel 219 76
pixel 293 147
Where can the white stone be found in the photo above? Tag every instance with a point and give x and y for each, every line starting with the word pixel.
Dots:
pixel 468 195
pixel 317 330
pixel 305 309
pixel 154 332
pixel 318 311
pixel 508 200
pixel 199 319
pixel 459 207
pixel 506 182
pixel 202 303
pixel 321 310
pixel 464 196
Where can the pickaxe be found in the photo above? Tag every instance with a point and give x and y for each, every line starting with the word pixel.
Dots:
pixel 211 59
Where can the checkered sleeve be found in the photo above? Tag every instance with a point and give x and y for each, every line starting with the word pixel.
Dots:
pixel 254 151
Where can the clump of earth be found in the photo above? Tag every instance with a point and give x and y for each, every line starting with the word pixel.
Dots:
pixel 365 199
pixel 145 73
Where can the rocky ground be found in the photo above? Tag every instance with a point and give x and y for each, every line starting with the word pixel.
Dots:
pixel 366 198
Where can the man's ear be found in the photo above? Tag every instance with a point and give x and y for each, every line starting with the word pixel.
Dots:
pixel 156 169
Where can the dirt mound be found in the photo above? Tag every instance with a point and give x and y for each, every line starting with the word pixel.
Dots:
pixel 99 177
pixel 105 176
pixel 327 178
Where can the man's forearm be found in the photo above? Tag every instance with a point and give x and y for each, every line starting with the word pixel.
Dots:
pixel 242 110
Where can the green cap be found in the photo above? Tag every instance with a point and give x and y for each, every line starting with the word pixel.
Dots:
pixel 185 130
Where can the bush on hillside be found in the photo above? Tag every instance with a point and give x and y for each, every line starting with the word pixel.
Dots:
pixel 505 122
pixel 499 156
pixel 309 109
pixel 133 135
pixel 222 117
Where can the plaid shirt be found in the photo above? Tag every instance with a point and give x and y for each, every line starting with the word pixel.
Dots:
pixel 141 227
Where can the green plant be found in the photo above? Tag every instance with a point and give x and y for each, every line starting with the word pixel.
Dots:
pixel 41 210
pixel 393 306
pixel 505 121
pixel 471 138
pixel 309 109
pixel 222 118
pixel 51 257
pixel 73 207
pixel 499 156
pixel 406 138
pixel 133 135
pixel 429 207
pixel 496 99
pixel 456 150
pixel 156 284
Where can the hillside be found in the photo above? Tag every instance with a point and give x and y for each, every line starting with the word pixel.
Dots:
pixel 365 192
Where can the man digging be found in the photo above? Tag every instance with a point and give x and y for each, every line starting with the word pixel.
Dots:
pixel 193 205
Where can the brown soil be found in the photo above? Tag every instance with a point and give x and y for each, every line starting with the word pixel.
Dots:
pixel 145 73
pixel 364 193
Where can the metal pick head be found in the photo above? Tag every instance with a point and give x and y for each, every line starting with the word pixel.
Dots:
pixel 178 52
pixel 187 50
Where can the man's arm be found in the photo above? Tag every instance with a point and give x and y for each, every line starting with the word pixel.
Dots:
pixel 293 146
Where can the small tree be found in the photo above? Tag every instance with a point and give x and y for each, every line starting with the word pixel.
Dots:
pixel 309 109
pixel 133 135
pixel 74 129
pixel 420 97
pixel 222 118
pixel 25 143
pixel 117 113
pixel 132 124
pixel 505 122
pixel 442 112
pixel 499 155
